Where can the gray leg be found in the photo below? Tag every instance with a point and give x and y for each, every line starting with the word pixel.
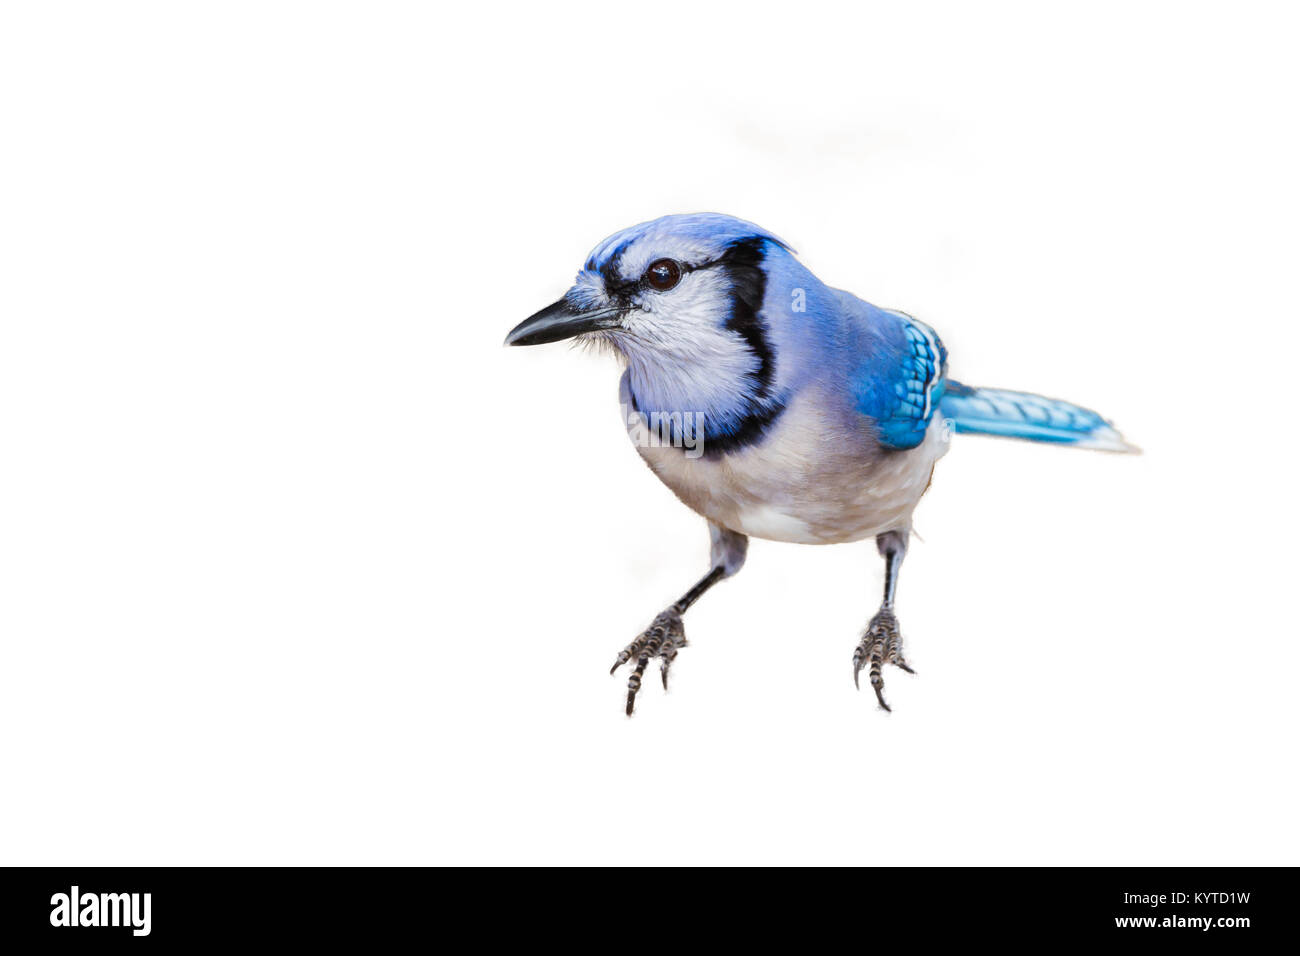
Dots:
pixel 882 643
pixel 666 634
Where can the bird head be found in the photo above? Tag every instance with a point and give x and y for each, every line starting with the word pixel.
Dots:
pixel 681 298
pixel 663 284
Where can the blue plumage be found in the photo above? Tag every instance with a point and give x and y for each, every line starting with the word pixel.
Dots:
pixel 777 406
pixel 996 411
pixel 902 392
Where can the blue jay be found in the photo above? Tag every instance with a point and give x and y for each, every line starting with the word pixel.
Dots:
pixel 777 407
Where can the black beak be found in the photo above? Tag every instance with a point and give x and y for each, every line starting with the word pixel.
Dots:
pixel 560 321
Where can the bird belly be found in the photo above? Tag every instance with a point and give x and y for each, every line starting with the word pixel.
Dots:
pixel 811 480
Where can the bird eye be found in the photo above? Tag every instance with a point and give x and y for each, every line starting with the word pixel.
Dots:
pixel 663 274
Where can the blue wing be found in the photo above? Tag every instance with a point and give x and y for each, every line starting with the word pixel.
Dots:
pixel 901 378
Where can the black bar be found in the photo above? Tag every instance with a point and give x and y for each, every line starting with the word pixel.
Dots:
pixel 1228 908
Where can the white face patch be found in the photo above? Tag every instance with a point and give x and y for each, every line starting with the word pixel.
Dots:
pixel 700 302
pixel 681 357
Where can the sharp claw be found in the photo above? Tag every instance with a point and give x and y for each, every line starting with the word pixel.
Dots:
pixel 901 666
pixel 662 639
pixel 625 655
pixel 857 669
pixel 881 697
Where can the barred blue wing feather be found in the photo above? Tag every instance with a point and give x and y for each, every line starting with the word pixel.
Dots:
pixel 902 384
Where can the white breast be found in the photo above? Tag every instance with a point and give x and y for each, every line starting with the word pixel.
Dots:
pixel 810 481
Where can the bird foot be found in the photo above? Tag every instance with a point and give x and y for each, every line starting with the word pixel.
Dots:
pixel 881 644
pixel 665 636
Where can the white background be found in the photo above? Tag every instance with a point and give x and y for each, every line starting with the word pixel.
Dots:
pixel 299 565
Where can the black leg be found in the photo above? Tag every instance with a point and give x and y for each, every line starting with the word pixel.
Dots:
pixel 666 634
pixel 697 592
pixel 893 561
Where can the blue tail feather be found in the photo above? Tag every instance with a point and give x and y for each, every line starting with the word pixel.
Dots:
pixel 996 411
